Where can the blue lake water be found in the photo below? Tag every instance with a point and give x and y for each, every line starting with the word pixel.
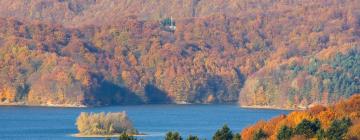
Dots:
pixel 41 123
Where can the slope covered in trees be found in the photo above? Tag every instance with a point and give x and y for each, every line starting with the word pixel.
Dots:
pixel 339 121
pixel 100 53
pixel 300 82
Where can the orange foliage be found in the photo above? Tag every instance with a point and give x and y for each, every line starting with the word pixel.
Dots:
pixel 326 115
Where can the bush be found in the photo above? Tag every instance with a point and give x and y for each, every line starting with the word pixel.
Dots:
pixel 104 124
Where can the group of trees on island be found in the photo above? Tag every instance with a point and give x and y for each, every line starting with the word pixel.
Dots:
pixel 104 124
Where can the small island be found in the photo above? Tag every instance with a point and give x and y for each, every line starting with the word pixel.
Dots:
pixel 104 125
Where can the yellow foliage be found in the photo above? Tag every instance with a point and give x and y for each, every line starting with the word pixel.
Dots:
pixel 7 94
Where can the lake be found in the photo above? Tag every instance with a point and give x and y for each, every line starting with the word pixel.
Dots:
pixel 42 123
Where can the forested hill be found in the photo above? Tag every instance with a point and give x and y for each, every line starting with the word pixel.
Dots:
pixel 338 121
pixel 100 12
pixel 87 52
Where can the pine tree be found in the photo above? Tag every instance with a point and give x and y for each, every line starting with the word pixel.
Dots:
pixel 285 133
pixel 173 136
pixel 307 128
pixel 237 136
pixel 191 137
pixel 223 134
pixel 338 129
pixel 124 136
pixel 260 134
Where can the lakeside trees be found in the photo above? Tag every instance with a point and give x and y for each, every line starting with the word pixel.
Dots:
pixel 224 133
pixel 336 122
pixel 173 136
pixel 104 124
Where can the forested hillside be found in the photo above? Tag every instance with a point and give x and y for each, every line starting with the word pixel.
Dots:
pixel 324 78
pixel 338 121
pixel 88 52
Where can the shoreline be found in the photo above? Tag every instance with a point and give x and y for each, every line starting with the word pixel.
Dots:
pixel 102 136
pixel 21 104
pixel 270 107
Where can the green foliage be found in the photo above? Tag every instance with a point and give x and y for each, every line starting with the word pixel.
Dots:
pixel 342 81
pixel 237 136
pixel 313 66
pixel 191 137
pixel 167 22
pixel 260 134
pixel 173 136
pixel 321 134
pixel 307 128
pixel 223 134
pixel 338 129
pixel 125 136
pixel 285 133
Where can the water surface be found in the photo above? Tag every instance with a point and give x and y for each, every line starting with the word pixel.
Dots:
pixel 42 123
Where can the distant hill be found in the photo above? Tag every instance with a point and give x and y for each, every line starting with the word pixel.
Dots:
pixel 267 53
pixel 79 12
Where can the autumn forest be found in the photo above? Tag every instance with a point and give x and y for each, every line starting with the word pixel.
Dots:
pixel 280 54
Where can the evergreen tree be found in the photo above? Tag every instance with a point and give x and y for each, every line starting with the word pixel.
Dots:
pixel 338 129
pixel 191 137
pixel 124 136
pixel 260 134
pixel 307 128
pixel 223 134
pixel 237 136
pixel 321 135
pixel 173 136
pixel 285 133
